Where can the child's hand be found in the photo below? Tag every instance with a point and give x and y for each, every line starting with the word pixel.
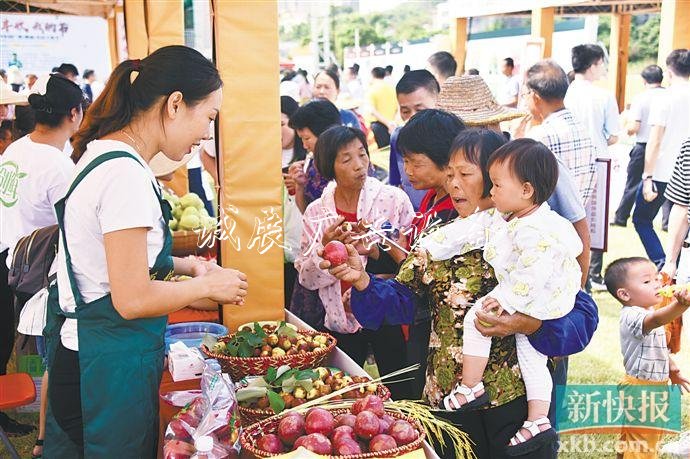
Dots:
pixel 677 378
pixel 682 297
pixel 492 306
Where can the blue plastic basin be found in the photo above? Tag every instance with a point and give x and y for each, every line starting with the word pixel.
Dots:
pixel 191 333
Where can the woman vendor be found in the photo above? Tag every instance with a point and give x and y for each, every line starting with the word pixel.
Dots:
pixel 451 286
pixel 107 316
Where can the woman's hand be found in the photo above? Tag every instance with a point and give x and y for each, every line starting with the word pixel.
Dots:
pixel 683 297
pixel 506 324
pixel 492 306
pixel 201 267
pixel 297 175
pixel 669 269
pixel 227 286
pixel 351 271
pixel 648 192
pixel 333 232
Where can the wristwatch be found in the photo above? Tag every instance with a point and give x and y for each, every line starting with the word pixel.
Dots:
pixel 647 177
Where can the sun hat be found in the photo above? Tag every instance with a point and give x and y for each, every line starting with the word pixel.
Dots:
pixel 469 98
pixel 9 97
pixel 162 165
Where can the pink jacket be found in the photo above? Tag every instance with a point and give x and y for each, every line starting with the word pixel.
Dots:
pixel 378 203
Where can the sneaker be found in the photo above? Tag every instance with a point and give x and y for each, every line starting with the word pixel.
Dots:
pixel 13 428
pixel 597 286
pixel 680 447
pixel 617 223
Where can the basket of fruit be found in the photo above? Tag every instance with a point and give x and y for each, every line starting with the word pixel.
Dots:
pixel 364 430
pixel 190 221
pixel 286 388
pixel 252 352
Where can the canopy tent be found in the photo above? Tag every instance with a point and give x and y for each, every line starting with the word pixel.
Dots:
pixel 248 128
pixel 674 32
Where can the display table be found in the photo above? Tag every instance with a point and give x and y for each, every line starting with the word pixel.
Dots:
pixel 337 359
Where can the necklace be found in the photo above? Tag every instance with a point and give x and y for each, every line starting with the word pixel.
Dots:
pixel 136 144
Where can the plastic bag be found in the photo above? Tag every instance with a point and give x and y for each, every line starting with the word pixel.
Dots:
pixel 214 413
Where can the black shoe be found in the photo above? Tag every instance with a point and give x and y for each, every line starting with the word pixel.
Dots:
pixel 617 223
pixel 13 428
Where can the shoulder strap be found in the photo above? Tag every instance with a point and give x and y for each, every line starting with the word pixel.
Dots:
pixel 60 211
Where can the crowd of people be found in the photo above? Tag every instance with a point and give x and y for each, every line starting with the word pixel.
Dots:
pixel 469 255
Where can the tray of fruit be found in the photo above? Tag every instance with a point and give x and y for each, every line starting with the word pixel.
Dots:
pixel 365 429
pixel 251 352
pixel 286 388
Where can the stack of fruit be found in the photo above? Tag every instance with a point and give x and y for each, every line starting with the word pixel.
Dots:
pixel 285 388
pixel 366 428
pixel 188 213
pixel 252 352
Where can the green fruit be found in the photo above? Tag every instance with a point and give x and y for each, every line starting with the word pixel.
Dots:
pixel 173 224
pixel 177 212
pixel 203 212
pixel 191 200
pixel 190 211
pixel 189 222
pixel 172 199
pixel 208 222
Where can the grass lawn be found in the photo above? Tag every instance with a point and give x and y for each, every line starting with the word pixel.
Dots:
pixel 600 363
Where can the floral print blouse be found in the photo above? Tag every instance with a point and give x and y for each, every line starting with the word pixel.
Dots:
pixel 451 287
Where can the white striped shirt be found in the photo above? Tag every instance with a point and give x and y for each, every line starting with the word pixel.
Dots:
pixel 678 189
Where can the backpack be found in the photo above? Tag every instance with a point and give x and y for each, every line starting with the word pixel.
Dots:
pixel 33 255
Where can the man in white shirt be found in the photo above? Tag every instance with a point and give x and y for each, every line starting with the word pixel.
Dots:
pixel 638 124
pixel 597 109
pixel 511 84
pixel 669 118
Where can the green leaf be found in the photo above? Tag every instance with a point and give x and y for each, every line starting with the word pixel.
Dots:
pixel 251 393
pixel 271 375
pixel 284 330
pixel 307 384
pixel 307 374
pixel 254 340
pixel 243 335
pixel 258 330
pixel 282 369
pixel 286 375
pixel 276 401
pixel 231 349
pixel 245 350
pixel 289 384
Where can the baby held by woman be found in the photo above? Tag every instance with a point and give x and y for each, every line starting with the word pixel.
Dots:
pixel 533 253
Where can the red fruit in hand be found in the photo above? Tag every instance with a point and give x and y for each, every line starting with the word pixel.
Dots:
pixel 403 432
pixel 346 420
pixel 374 404
pixel 270 443
pixel 291 428
pixel 317 443
pixel 342 433
pixel 367 425
pixel 319 421
pixel 347 448
pixel 382 442
pixel 335 252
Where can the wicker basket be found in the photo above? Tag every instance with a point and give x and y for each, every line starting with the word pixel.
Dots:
pixel 239 367
pixel 187 243
pixel 250 437
pixel 251 416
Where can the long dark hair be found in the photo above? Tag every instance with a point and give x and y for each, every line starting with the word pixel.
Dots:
pixel 166 70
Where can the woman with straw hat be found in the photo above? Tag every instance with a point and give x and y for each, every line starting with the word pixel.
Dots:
pixel 470 99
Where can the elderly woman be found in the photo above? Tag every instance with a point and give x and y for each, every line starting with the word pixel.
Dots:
pixel 339 214
pixel 327 86
pixel 451 287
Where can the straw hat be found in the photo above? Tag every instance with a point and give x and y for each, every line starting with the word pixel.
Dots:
pixel 9 97
pixel 469 98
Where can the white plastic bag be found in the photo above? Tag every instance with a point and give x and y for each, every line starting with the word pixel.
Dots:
pixel 32 319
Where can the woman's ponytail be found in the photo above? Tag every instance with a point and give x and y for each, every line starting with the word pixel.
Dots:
pixel 136 85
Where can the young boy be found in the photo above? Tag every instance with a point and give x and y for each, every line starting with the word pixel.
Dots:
pixel 635 283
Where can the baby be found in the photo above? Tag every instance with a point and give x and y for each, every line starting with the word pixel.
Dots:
pixel 533 253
